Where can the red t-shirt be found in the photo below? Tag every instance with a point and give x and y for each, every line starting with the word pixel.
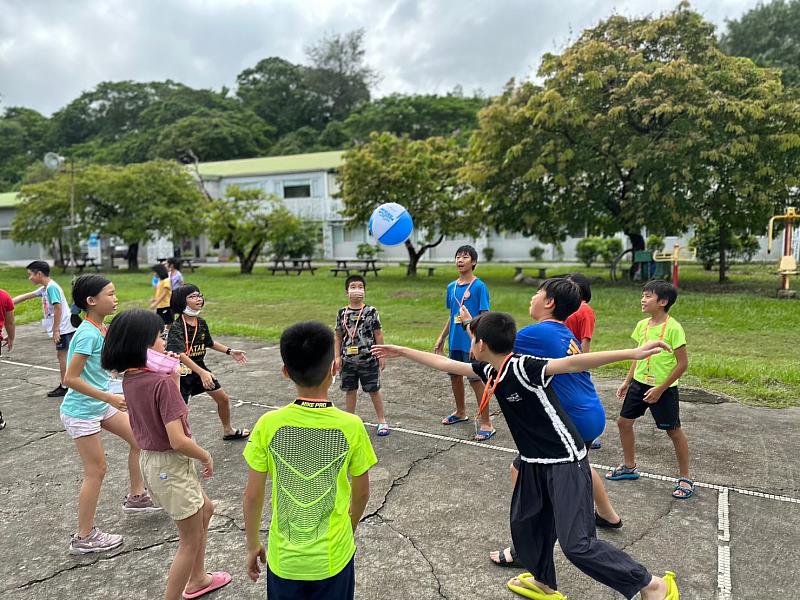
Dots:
pixel 153 400
pixel 6 306
pixel 581 322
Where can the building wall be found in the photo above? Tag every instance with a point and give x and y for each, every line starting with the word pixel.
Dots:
pixel 9 249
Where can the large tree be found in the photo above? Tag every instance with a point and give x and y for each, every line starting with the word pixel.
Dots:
pixel 24 138
pixel 421 175
pixel 623 132
pixel 768 34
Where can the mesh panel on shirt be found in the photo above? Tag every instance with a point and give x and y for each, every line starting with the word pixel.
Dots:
pixel 307 463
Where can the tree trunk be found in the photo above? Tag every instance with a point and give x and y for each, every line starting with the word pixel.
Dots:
pixel 133 256
pixel 248 261
pixel 723 264
pixel 637 243
pixel 414 256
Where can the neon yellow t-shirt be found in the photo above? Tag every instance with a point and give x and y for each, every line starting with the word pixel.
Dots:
pixel 659 365
pixel 309 452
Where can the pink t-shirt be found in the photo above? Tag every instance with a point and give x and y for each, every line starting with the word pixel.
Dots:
pixel 581 322
pixel 153 400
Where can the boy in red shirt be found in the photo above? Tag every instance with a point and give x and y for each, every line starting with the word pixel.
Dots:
pixel 7 320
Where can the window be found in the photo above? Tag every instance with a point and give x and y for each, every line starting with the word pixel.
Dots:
pixel 297 191
pixel 355 234
pixel 5 234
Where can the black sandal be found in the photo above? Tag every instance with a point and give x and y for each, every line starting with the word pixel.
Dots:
pixel 601 522
pixel 238 434
pixel 503 562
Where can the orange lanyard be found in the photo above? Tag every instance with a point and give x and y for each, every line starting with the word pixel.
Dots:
pixel 491 385
pixel 101 329
pixel 465 295
pixel 352 334
pixel 660 338
pixel 186 334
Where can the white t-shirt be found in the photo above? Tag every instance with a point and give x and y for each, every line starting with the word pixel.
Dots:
pixel 53 294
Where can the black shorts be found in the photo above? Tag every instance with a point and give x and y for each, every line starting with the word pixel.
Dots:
pixel 166 315
pixel 341 586
pixel 666 412
pixel 368 372
pixel 63 343
pixel 192 385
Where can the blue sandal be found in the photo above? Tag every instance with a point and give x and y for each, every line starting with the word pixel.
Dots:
pixel 682 492
pixel 452 420
pixel 482 435
pixel 623 472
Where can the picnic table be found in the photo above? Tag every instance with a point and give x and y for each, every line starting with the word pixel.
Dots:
pixel 431 270
pixel 81 262
pixel 363 266
pixel 185 263
pixel 542 272
pixel 298 265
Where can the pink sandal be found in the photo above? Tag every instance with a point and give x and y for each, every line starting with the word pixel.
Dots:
pixel 218 580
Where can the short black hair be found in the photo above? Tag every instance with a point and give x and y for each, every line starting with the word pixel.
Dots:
pixel 178 300
pixel 83 287
pixel 160 270
pixel 565 294
pixel 129 336
pixel 496 329
pixel 663 290
pixel 353 278
pixel 174 262
pixel 467 249
pixel 584 284
pixel 39 266
pixel 307 352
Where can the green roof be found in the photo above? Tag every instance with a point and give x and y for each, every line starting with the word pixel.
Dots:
pixel 8 200
pixel 271 165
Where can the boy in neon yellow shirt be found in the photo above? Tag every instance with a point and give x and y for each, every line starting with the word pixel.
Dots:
pixel 308 448
pixel 653 383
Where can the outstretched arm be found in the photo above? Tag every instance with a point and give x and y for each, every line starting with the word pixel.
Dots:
pixel 434 361
pixel 24 297
pixel 586 362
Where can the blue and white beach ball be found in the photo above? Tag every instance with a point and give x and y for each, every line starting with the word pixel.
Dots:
pixel 391 224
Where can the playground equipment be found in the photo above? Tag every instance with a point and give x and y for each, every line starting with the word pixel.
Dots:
pixel 676 258
pixel 788 264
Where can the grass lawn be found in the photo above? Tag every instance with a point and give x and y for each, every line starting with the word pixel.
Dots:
pixel 740 338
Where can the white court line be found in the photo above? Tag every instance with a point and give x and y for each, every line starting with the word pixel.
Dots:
pixel 19 364
pixel 724 586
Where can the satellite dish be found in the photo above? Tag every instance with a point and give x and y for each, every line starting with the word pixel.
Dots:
pixel 53 161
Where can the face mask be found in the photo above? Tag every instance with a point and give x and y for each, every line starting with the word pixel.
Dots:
pixel 356 295
pixel 190 312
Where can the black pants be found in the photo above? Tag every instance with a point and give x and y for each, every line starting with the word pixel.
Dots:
pixel 554 502
pixel 341 586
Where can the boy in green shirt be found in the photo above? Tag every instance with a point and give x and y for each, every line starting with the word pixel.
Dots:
pixel 308 448
pixel 653 384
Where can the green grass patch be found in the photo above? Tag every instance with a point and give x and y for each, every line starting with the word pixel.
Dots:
pixel 739 336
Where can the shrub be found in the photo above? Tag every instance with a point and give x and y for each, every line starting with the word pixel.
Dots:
pixel 655 243
pixel 611 249
pixel 488 253
pixel 588 249
pixel 367 251
pixel 537 253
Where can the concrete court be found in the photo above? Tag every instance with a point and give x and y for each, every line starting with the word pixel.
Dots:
pixel 438 506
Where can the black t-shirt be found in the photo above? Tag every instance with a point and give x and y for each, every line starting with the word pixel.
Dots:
pixel 199 341
pixel 541 428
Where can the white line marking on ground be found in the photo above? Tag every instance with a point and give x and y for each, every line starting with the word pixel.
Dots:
pixel 724 585
pixel 19 364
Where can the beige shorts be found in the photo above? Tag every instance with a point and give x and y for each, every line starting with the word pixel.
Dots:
pixel 171 478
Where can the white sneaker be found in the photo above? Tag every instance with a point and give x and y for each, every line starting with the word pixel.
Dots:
pixel 96 541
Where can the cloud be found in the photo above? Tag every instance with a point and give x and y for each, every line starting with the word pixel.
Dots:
pixel 51 51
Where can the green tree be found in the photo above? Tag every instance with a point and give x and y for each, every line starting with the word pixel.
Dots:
pixel 421 175
pixel 24 135
pixel 42 214
pixel 241 221
pixel 339 74
pixel 768 34
pixel 290 237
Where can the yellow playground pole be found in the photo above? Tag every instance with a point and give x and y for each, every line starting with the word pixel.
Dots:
pixel 788 264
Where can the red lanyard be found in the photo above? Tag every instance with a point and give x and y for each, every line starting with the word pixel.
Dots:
pixel 186 334
pixel 660 338
pixel 101 329
pixel 491 385
pixel 465 295
pixel 352 334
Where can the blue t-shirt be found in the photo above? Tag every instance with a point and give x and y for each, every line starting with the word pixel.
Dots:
pixel 87 341
pixel 575 391
pixel 476 302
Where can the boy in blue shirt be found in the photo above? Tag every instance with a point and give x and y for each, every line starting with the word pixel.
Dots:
pixel 470 292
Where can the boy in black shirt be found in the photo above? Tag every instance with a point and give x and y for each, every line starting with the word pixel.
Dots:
pixel 552 497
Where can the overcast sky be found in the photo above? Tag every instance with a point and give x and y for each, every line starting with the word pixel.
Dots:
pixel 52 50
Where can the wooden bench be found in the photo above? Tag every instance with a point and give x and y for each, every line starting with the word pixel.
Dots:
pixel 342 266
pixel 298 266
pixel 541 272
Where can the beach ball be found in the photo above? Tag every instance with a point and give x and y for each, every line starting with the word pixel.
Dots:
pixel 391 224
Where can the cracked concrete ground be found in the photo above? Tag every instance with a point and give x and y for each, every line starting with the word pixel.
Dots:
pixel 437 506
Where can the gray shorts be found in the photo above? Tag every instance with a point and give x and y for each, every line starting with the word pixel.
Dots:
pixel 462 356
pixel 367 372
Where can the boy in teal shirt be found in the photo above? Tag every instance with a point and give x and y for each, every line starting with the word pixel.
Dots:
pixel 309 448
pixel 653 383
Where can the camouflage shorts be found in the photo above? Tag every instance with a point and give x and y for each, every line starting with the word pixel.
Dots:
pixel 367 372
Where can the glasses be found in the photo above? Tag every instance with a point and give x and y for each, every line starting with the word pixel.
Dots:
pixel 194 296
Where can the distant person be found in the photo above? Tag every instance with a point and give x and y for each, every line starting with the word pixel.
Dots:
pixel 468 290
pixel 7 322
pixel 652 383
pixel 318 458
pixel 174 270
pixel 358 326
pixel 162 295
